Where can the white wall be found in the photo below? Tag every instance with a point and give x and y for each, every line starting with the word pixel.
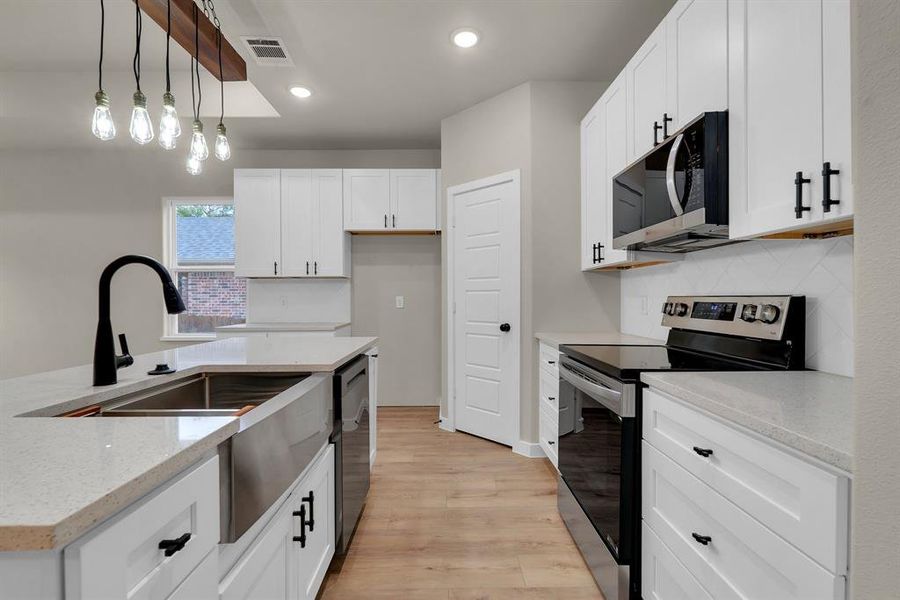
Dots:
pixel 64 215
pixel 535 127
pixel 822 270
pixel 875 552
pixel 410 337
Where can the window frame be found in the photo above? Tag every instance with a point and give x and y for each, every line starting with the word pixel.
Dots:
pixel 170 256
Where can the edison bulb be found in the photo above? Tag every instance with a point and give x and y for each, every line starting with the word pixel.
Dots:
pixel 169 127
pixel 199 149
pixel 223 148
pixel 194 166
pixel 141 128
pixel 102 125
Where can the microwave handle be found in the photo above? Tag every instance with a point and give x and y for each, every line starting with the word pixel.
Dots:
pixel 670 176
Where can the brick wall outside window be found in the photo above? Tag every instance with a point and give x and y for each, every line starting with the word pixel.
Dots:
pixel 213 299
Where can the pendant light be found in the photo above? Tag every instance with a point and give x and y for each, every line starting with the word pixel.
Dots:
pixel 141 127
pixel 102 125
pixel 199 150
pixel 169 126
pixel 223 148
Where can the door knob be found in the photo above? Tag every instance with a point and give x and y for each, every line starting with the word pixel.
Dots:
pixel 504 327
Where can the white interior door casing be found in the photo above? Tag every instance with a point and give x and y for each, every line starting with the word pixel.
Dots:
pixel 486 294
pixel 697 55
pixel 257 223
pixel 646 80
pixel 413 198
pixel 367 199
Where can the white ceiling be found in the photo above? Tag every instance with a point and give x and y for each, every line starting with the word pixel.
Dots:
pixel 383 71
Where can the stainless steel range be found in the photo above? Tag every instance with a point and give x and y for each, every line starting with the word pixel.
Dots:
pixel 599 493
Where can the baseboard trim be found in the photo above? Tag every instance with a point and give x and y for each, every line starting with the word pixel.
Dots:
pixel 528 449
pixel 445 425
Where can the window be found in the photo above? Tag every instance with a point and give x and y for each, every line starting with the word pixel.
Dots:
pixel 199 253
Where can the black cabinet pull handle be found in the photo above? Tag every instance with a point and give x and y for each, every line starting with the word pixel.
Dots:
pixel 656 128
pixel 504 327
pixel 666 120
pixel 551 362
pixel 276 267
pixel 827 172
pixel 302 537
pixel 385 221
pixel 173 546
pixel 704 452
pixel 394 221
pixel 551 398
pixel 551 443
pixel 315 267
pixel 594 252
pixel 799 180
pixel 600 257
pixel 702 539
pixel 307 267
pixel 311 499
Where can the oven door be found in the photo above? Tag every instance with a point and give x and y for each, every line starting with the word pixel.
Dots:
pixel 598 455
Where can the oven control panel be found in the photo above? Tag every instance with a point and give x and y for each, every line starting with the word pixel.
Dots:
pixel 760 317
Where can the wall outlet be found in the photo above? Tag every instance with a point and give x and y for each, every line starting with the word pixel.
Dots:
pixel 399 301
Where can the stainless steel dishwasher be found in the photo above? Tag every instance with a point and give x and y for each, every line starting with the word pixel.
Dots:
pixel 351 447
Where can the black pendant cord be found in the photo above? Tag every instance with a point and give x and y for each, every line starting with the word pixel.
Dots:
pixel 168 38
pixel 102 30
pixel 221 79
pixel 194 105
pixel 197 59
pixel 136 63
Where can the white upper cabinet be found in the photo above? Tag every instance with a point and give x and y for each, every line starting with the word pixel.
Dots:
pixel 697 57
pixel 646 80
pixel 394 200
pixel 789 84
pixel 592 205
pixel 414 199
pixel 289 223
pixel 367 199
pixel 257 222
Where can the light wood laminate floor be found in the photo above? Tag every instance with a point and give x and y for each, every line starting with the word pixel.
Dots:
pixel 454 517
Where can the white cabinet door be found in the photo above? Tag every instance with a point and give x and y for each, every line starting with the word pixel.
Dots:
pixel 592 205
pixel 775 114
pixel 413 200
pixel 367 199
pixel 298 219
pixel 663 577
pixel 202 583
pixel 836 87
pixel 257 222
pixel 268 570
pixel 646 76
pixel 331 256
pixel 697 54
pixel 315 497
pixel 614 151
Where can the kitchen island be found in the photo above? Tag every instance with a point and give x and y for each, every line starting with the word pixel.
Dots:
pixel 61 477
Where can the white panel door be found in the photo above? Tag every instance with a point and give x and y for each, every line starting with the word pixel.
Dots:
pixel 697 54
pixel 257 222
pixel 298 214
pixel 331 243
pixel 646 75
pixel 486 277
pixel 836 87
pixel 413 199
pixel 367 199
pixel 614 158
pixel 592 206
pixel 268 569
pixel 775 113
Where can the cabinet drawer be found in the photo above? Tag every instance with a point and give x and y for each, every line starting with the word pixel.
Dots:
pixel 548 391
pixel 803 503
pixel 549 359
pixel 663 577
pixel 128 544
pixel 203 583
pixel 742 559
pixel 548 435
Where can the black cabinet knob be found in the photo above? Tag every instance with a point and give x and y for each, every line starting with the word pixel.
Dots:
pixel 504 327
pixel 174 545
pixel 704 452
pixel 701 539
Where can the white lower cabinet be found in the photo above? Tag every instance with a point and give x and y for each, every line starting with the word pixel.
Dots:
pixel 201 584
pixel 152 546
pixel 289 558
pixel 548 401
pixel 740 514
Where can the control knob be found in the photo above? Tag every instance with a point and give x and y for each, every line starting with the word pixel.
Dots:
pixel 769 313
pixel 667 308
pixel 680 309
pixel 748 314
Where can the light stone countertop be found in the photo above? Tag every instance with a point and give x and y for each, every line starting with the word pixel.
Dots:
pixel 299 326
pixel 59 477
pixel 595 338
pixel 809 411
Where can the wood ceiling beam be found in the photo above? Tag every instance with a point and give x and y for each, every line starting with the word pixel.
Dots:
pixel 233 66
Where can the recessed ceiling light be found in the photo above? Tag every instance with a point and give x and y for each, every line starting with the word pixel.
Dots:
pixel 464 38
pixel 301 92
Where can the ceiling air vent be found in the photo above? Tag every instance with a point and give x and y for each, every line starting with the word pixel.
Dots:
pixel 268 51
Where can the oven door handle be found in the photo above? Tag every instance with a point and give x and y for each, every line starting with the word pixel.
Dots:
pixel 609 398
pixel 670 176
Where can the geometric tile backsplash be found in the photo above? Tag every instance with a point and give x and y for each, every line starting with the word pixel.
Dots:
pixel 821 270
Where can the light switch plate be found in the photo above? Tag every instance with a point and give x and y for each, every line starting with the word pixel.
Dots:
pixel 399 301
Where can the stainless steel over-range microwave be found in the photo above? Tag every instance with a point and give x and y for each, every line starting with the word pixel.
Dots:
pixel 675 197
